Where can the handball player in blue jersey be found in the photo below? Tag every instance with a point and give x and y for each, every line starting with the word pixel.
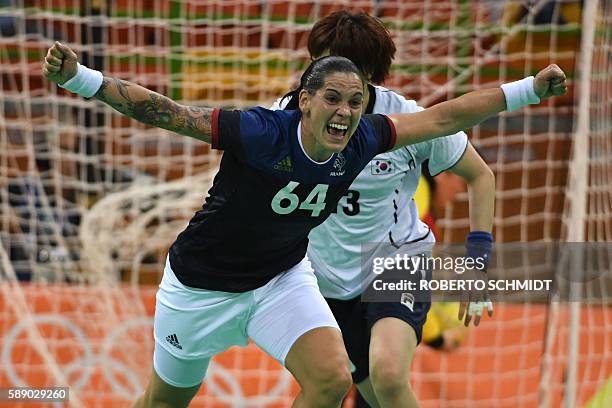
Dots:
pixel 239 270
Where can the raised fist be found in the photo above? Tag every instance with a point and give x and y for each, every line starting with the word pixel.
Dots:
pixel 550 82
pixel 60 64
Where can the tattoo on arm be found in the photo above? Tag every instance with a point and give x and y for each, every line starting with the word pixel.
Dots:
pixel 156 110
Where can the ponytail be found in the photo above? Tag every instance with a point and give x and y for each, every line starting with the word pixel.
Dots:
pixel 294 97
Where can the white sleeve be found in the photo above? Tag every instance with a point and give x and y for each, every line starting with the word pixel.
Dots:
pixel 388 102
pixel 446 151
pixel 442 153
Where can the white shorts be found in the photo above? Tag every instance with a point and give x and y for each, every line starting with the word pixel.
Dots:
pixel 192 325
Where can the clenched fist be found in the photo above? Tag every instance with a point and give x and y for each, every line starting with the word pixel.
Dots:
pixel 60 64
pixel 550 81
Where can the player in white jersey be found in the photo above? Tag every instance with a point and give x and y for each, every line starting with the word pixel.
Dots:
pixel 379 208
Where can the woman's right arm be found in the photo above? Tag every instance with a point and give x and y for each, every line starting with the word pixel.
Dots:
pixel 130 99
pixel 155 109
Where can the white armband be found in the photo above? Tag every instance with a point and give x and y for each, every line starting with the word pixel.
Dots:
pixel 520 93
pixel 86 82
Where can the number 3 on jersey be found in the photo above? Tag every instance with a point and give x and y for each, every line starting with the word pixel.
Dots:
pixel 285 201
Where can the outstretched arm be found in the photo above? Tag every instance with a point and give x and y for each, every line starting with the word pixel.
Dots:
pixel 472 108
pixel 133 100
pixel 154 109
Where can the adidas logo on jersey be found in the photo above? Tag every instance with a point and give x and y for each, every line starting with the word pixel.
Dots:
pixel 172 339
pixel 382 167
pixel 284 165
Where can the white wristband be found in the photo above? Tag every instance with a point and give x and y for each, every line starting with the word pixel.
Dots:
pixel 520 93
pixel 86 82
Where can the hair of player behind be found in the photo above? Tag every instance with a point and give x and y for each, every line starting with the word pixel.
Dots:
pixel 359 37
pixel 314 77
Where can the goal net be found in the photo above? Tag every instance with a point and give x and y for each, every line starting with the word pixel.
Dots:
pixel 90 201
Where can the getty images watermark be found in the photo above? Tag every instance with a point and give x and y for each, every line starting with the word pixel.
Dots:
pixel 420 263
pixel 516 272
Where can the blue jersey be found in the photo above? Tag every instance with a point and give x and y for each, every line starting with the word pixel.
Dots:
pixel 266 197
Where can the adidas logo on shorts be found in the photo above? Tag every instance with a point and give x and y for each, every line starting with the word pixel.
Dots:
pixel 172 339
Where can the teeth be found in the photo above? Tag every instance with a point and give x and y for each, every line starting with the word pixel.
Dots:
pixel 338 126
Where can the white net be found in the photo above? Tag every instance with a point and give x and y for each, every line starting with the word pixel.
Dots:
pixel 90 201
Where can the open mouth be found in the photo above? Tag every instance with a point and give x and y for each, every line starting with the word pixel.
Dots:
pixel 337 130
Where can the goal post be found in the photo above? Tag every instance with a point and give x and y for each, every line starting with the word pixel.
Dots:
pixel 577 187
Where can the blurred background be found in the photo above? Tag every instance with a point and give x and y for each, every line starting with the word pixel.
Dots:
pixel 90 201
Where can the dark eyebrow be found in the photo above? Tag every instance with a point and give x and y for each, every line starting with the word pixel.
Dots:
pixel 332 90
pixel 336 92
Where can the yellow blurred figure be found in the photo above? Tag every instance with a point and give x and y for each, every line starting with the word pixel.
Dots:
pixel 422 197
pixel 442 329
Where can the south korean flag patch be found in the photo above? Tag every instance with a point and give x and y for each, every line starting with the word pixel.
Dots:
pixel 380 167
